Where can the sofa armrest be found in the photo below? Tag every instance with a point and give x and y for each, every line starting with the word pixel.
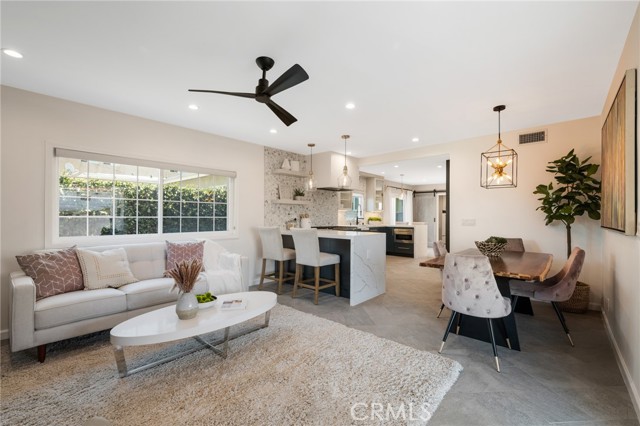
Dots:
pixel 244 265
pixel 22 311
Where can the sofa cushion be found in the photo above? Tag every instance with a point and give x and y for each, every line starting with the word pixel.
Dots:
pixel 77 306
pixel 54 272
pixel 156 291
pixel 109 268
pixel 183 252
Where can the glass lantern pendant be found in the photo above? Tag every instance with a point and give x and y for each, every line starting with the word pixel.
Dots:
pixel 499 165
pixel 311 184
pixel 344 180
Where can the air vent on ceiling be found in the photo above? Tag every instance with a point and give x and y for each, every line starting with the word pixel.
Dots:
pixel 533 137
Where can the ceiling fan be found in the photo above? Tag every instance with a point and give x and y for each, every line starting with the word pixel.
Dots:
pixel 293 76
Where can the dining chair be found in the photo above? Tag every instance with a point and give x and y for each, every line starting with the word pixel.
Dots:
pixel 308 253
pixel 439 249
pixel 469 288
pixel 557 288
pixel 514 244
pixel 272 249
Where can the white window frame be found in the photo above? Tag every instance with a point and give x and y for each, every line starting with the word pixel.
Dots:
pixel 52 230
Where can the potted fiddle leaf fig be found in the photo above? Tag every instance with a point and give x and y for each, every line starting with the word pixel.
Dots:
pixel 576 192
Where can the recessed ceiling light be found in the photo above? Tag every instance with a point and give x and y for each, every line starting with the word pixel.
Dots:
pixel 396 166
pixel 350 105
pixel 415 140
pixel 348 152
pixel 194 107
pixel 381 172
pixel 12 53
pixel 439 166
pixel 274 131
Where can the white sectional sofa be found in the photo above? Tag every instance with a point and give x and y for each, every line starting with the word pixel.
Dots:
pixel 34 323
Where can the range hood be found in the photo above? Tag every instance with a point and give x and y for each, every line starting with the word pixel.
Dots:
pixel 327 166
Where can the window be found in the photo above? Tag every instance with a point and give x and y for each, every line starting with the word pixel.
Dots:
pixel 101 195
pixel 358 204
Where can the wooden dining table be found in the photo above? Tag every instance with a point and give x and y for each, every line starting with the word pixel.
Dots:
pixel 526 266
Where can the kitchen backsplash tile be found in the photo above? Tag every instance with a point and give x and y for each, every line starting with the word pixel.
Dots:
pixel 323 207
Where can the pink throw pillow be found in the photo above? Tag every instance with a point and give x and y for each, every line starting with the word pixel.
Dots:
pixel 53 272
pixel 183 252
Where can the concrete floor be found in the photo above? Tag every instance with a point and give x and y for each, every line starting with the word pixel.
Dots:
pixel 547 382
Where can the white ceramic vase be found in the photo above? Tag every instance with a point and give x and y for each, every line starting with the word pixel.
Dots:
pixel 187 306
pixel 305 222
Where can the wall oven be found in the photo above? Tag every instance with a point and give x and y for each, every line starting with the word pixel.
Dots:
pixel 403 235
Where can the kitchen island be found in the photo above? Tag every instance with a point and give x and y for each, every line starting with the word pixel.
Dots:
pixel 362 262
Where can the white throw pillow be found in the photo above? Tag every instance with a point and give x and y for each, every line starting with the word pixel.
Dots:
pixel 109 268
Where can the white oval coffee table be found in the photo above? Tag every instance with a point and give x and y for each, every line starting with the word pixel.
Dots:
pixel 162 325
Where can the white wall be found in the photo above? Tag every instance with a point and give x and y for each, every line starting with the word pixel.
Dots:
pixel 29 120
pixel 621 254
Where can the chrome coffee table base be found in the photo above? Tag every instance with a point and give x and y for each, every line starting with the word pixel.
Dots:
pixel 121 361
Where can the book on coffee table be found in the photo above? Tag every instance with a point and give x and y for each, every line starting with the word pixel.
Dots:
pixel 228 305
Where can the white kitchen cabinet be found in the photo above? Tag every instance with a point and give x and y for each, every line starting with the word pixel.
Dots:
pixel 345 200
pixel 375 188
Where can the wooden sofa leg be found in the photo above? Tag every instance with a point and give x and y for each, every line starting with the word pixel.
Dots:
pixel 42 352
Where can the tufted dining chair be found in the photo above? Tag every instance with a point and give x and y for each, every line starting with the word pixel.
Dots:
pixel 439 249
pixel 557 288
pixel 272 249
pixel 514 244
pixel 469 288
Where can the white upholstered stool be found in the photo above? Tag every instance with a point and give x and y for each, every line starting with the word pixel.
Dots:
pixel 272 249
pixel 308 253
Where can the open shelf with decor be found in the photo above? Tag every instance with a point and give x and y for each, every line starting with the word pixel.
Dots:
pixel 286 172
pixel 299 202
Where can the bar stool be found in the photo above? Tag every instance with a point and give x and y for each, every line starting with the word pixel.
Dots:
pixel 272 249
pixel 308 253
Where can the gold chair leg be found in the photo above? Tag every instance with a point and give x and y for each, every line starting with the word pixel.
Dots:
pixel 280 277
pixel 295 281
pixel 264 267
pixel 338 279
pixel 317 279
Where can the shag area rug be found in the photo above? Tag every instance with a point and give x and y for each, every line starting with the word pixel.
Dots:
pixel 301 370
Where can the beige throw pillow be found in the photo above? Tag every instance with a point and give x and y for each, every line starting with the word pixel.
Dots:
pixel 109 268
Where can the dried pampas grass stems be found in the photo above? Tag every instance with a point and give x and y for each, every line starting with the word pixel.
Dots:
pixel 185 275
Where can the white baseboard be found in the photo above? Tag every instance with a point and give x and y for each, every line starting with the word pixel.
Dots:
pixel 626 375
pixel 4 334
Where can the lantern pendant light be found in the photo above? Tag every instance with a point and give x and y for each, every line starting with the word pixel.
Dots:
pixel 402 193
pixel 311 184
pixel 344 180
pixel 499 165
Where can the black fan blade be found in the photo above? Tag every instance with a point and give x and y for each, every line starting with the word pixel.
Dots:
pixel 291 77
pixel 242 95
pixel 283 115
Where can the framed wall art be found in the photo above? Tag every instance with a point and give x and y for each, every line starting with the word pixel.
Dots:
pixel 619 160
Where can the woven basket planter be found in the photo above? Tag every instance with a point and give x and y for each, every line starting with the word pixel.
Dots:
pixel 579 301
pixel 490 249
